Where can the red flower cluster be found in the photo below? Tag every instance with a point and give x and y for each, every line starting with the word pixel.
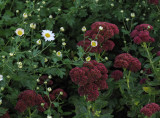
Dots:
pixel 147 71
pixel 101 36
pixel 29 98
pixel 55 93
pixel 90 77
pixel 44 78
pixel 117 75
pixel 141 34
pixel 6 115
pixel 143 81
pixel 150 109
pixel 125 60
pixel 158 53
pixel 156 2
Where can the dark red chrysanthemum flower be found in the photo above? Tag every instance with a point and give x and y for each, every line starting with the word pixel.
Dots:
pixel 29 97
pixel 156 2
pixel 58 92
pixel 158 53
pixel 90 91
pixel 102 84
pixel 147 71
pixel 125 60
pixel 108 45
pixel 150 109
pixel 78 76
pixel 134 65
pixel 6 115
pixel 143 81
pixel 40 100
pixel 21 106
pixel 141 34
pixel 117 75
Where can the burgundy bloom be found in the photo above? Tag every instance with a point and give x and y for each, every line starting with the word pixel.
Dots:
pixel 40 100
pixel 102 84
pixel 150 109
pixel 143 81
pixel 125 60
pixel 21 106
pixel 147 71
pixel 6 115
pixel 89 90
pixel 156 2
pixel 117 75
pixel 56 92
pixel 141 34
pixel 158 53
pixel 108 45
pixel 29 97
pixel 135 65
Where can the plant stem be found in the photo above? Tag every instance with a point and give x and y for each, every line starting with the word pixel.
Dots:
pixel 128 79
pixel 150 59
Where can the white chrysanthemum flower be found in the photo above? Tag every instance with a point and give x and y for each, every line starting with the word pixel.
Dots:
pixel 45 59
pixel 8 76
pixel 50 16
pixel 132 15
pixel 1 77
pixel 3 56
pixel 38 42
pixel 49 89
pixel 25 15
pixel 100 28
pixel 33 25
pixel 20 66
pixel 43 2
pixel 17 11
pixel 38 9
pixel 88 58
pixel 84 29
pixel 0 101
pixel 63 39
pixel 11 54
pixel 121 11
pixel 2 88
pixel 59 9
pixel 19 63
pixel 49 116
pixel 106 58
pixel 94 43
pixel 48 35
pixel 127 19
pixel 50 76
pixel 62 29
pixel 59 54
pixel 19 31
pixel 112 5
pixel 64 43
pixel 37 88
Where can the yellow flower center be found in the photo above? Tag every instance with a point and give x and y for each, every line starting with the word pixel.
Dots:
pixel 94 44
pixel 88 58
pixel 58 53
pixel 47 35
pixel 19 32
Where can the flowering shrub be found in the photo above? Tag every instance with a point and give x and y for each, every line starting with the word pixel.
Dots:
pixel 79 59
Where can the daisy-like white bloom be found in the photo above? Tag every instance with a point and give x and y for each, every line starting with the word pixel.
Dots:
pixel 100 28
pixel 0 101
pixel 48 35
pixel 25 15
pixel 49 116
pixel 94 43
pixel 84 29
pixel 49 89
pixel 33 25
pixel 38 42
pixel 59 54
pixel 106 58
pixel 88 58
pixel 50 16
pixel 19 31
pixel 64 43
pixel 11 54
pixel 1 77
pixel 132 15
pixel 62 29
